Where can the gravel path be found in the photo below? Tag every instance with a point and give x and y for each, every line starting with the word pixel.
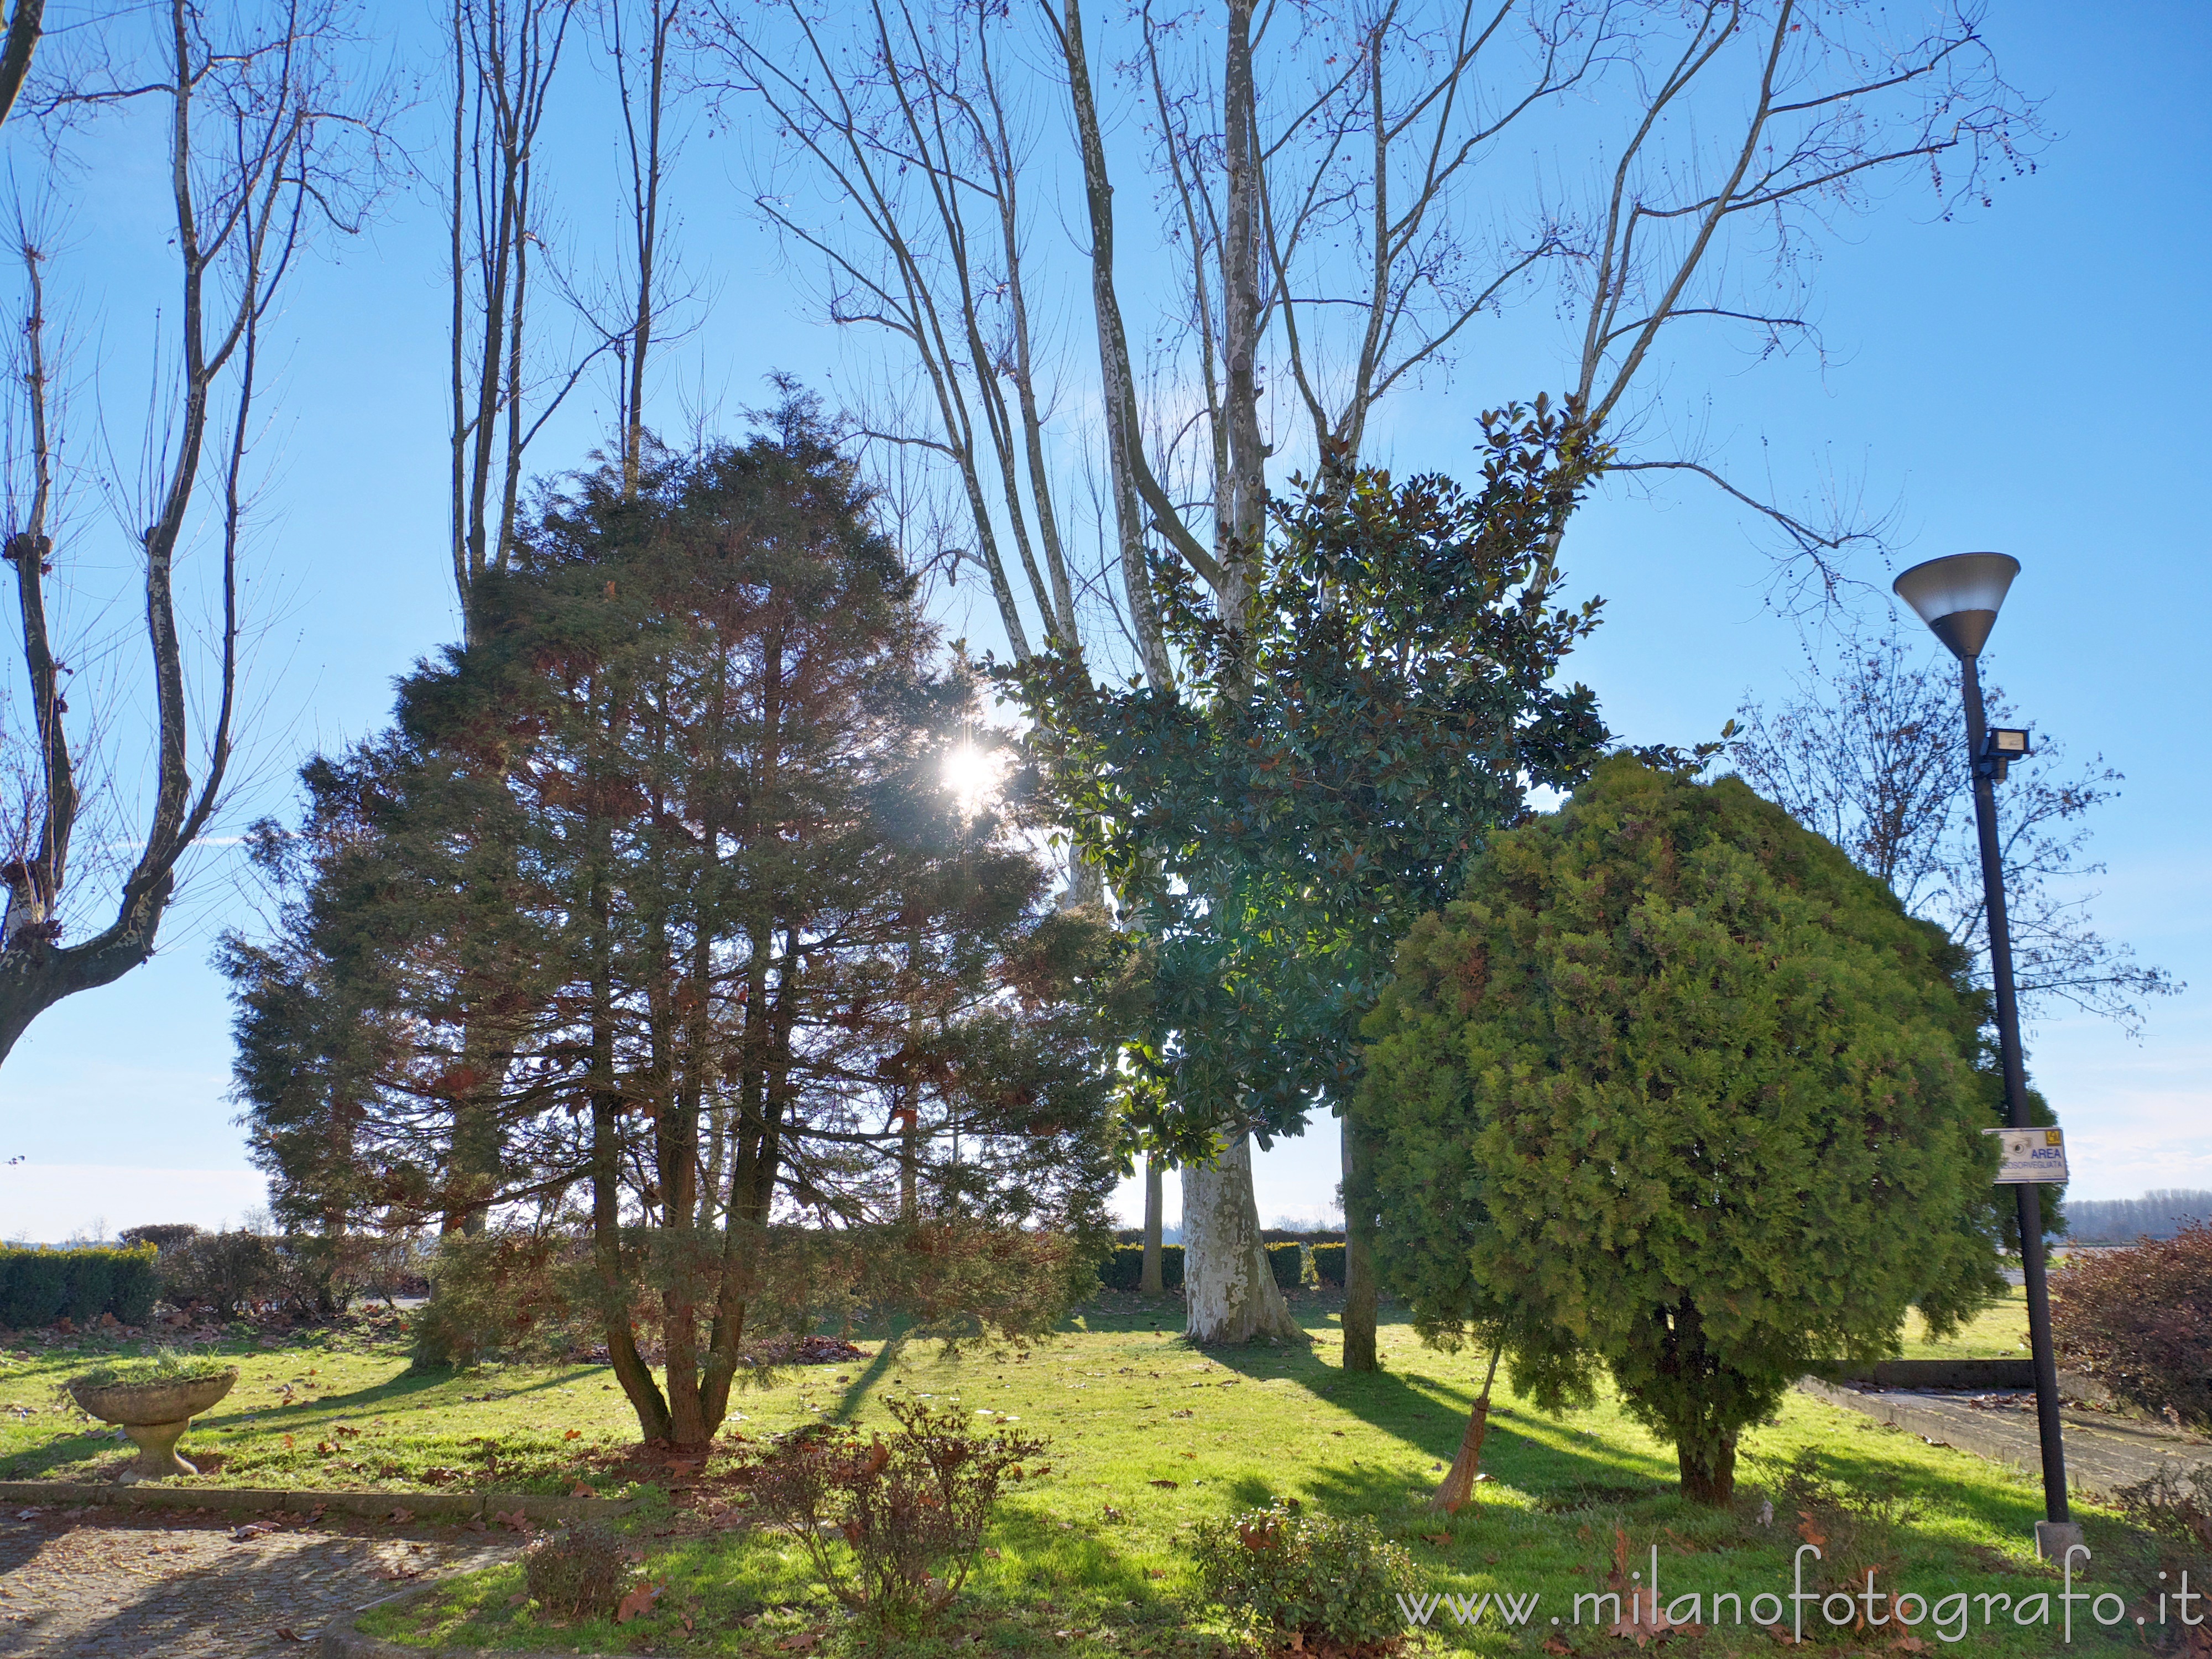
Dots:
pixel 93 1584
pixel 2101 1456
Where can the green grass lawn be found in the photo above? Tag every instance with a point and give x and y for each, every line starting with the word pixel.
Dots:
pixel 1148 1436
pixel 1998 1332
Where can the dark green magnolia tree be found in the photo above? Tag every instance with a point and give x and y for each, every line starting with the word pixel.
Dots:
pixel 1331 761
pixel 1674 1091
pixel 657 885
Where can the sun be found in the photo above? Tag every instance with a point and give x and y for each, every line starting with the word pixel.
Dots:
pixel 973 776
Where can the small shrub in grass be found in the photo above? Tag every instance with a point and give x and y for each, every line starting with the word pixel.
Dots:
pixel 576 1573
pixel 2140 1320
pixel 1321 1584
pixel 891 1528
pixel 2174 1502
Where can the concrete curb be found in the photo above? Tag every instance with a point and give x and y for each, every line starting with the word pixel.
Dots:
pixel 1928 1426
pixel 2102 1456
pixel 421 1505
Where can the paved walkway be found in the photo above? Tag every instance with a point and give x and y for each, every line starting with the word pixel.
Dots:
pixel 2102 1454
pixel 95 1585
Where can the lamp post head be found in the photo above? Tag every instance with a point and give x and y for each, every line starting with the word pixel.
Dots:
pixel 1958 597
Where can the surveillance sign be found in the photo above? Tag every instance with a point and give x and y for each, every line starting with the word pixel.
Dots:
pixel 2029 1155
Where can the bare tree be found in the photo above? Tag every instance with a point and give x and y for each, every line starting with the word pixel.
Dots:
pixel 504 56
pixel 1876 762
pixel 647 144
pixel 26 22
pixel 265 144
pixel 1339 211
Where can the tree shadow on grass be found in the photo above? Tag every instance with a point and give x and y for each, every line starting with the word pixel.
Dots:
pixel 889 1354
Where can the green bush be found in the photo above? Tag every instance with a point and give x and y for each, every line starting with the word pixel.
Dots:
pixel 1124 1270
pixel 38 1286
pixel 1306 1582
pixel 1288 1263
pixel 1328 1263
pixel 33 1287
pixel 136 1285
pixel 226 1271
pixel 91 1279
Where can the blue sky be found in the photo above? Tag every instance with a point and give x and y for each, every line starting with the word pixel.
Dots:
pixel 2028 379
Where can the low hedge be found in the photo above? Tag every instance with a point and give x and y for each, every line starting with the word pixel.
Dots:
pixel 38 1287
pixel 1328 1263
pixel 1124 1270
pixel 1288 1263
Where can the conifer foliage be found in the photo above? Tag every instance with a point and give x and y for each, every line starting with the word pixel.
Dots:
pixel 652 924
pixel 1674 1090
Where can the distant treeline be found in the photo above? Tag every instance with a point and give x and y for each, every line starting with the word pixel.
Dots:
pixel 2123 1221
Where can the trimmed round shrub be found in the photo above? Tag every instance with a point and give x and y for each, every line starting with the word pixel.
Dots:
pixel 1674 1092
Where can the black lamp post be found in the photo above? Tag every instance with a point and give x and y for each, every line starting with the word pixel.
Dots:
pixel 1958 597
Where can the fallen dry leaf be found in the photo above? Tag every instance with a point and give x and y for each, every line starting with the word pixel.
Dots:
pixel 638 1602
pixel 574 1434
pixel 286 1633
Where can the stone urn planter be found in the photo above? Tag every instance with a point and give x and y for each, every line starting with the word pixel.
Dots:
pixel 155 1415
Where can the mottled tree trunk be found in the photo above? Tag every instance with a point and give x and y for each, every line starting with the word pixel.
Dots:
pixel 1149 1283
pixel 1228 1288
pixel 1359 1289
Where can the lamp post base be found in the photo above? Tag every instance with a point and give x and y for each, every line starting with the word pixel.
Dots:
pixel 2054 1538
